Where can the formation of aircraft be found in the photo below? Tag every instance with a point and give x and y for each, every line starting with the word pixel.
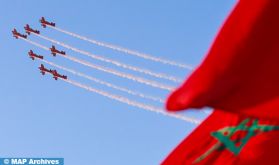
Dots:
pixel 55 74
pixel 54 51
pixel 17 34
pixel 44 23
pixel 32 55
pixel 29 30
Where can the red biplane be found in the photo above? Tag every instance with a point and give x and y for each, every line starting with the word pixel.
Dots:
pixel 46 23
pixel 17 34
pixel 29 30
pixel 44 70
pixel 57 75
pixel 33 55
pixel 54 51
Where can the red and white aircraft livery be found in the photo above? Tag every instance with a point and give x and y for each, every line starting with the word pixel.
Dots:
pixel 57 75
pixel 46 23
pixel 54 51
pixel 17 34
pixel 33 55
pixel 44 70
pixel 29 30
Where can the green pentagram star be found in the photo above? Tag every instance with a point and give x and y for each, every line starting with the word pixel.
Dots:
pixel 235 146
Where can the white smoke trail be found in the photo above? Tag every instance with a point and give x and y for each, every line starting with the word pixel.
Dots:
pixel 109 84
pixel 36 44
pixel 121 74
pixel 111 71
pixel 104 82
pixel 122 99
pixel 125 50
pixel 119 64
pixel 133 103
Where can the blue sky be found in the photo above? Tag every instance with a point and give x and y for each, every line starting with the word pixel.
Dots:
pixel 41 117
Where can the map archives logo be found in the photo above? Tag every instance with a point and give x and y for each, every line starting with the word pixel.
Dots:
pixel 31 161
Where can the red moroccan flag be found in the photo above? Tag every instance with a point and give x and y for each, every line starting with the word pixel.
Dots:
pixel 240 78
pixel 241 71
pixel 229 139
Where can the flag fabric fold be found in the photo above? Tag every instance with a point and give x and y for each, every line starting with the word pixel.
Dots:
pixel 229 139
pixel 240 72
pixel 240 79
